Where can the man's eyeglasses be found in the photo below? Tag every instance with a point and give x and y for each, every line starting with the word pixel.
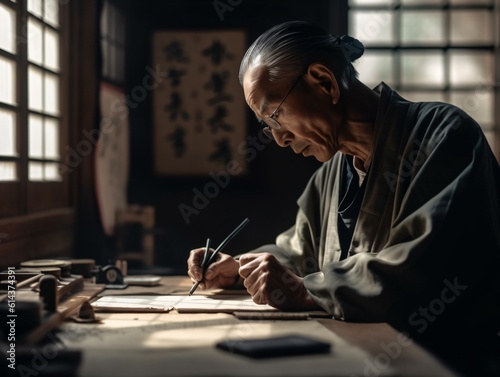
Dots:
pixel 270 120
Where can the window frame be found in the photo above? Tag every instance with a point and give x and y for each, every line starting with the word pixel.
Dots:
pixel 25 196
pixel 447 89
pixel 38 219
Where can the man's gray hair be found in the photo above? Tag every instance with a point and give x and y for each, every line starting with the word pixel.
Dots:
pixel 287 49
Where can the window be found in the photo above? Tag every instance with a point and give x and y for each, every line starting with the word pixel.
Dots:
pixel 113 43
pixel 43 91
pixel 432 50
pixel 30 108
pixel 8 101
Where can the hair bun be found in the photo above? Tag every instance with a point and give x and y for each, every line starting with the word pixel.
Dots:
pixel 352 48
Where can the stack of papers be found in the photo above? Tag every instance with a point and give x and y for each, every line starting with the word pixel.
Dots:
pixel 183 304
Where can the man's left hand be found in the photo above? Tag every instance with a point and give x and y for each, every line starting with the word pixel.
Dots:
pixel 269 282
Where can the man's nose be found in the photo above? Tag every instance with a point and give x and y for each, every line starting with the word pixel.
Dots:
pixel 283 138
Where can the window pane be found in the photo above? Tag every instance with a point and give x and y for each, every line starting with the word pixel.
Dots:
pixel 470 68
pixel 8 133
pixel 105 57
pixel 51 94
pixel 35 42
pixel 104 20
pixel 7 79
pixel 422 27
pixel 112 22
pixel 370 2
pixel 372 27
pixel 7 29
pixel 51 49
pixel 422 68
pixel 469 2
pixel 435 2
pixel 35 89
pixel 35 171
pixel 471 26
pixel 375 67
pixel 51 12
pixel 51 172
pixel 51 139
pixel 112 61
pixel 8 171
pixel 35 7
pixel 478 104
pixel 35 141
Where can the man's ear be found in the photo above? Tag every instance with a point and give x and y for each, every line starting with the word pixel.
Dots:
pixel 322 77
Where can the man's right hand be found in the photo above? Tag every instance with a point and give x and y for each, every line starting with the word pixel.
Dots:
pixel 223 273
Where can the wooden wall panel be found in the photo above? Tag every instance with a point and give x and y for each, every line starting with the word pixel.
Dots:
pixel 42 235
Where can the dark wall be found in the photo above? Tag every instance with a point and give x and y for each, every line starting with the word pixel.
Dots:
pixel 276 177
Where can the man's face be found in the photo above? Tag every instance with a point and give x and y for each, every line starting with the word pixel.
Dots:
pixel 307 117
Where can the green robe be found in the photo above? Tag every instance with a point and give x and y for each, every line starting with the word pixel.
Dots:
pixel 428 232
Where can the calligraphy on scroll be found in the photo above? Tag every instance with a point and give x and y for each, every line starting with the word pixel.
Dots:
pixel 198 109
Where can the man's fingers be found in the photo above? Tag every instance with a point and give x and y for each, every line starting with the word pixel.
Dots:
pixel 258 300
pixel 247 258
pixel 196 256
pixel 194 263
pixel 212 271
pixel 247 263
pixel 217 268
pixel 195 272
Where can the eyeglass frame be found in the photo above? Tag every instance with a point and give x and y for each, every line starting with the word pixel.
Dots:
pixel 268 130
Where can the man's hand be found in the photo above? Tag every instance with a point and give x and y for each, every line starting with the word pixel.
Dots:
pixel 223 273
pixel 269 282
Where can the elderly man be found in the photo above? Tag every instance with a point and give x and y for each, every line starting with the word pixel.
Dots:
pixel 400 224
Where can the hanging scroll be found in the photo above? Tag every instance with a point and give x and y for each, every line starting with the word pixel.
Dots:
pixel 199 109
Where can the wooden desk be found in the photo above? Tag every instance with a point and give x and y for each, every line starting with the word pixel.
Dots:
pixel 173 344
